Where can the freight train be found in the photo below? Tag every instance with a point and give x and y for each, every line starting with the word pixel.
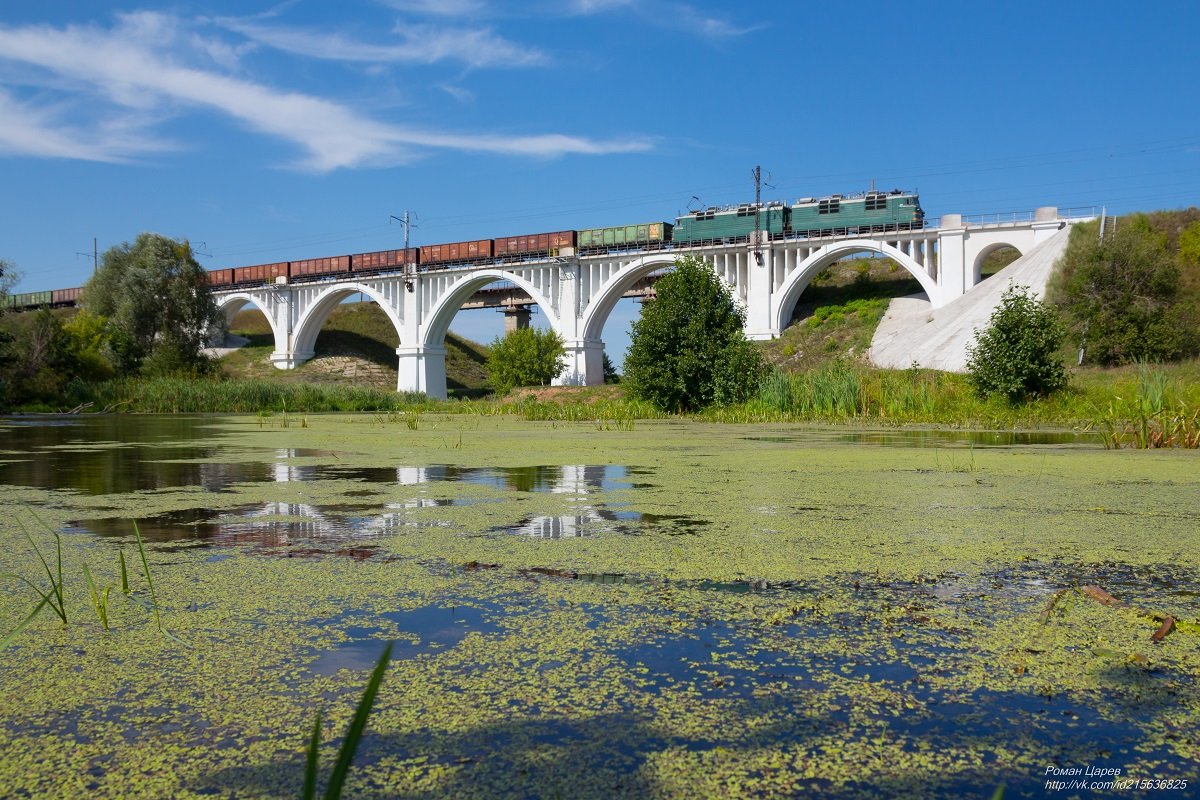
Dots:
pixel 835 215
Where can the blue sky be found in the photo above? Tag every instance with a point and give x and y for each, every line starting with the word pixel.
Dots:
pixel 266 132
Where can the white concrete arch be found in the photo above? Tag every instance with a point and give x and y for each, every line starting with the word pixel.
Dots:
pixel 232 304
pixel 312 318
pixel 784 301
pixel 977 267
pixel 605 299
pixel 437 321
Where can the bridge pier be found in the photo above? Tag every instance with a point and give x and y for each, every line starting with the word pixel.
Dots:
pixel 585 363
pixel 284 359
pixel 516 318
pixel 760 260
pixel 422 369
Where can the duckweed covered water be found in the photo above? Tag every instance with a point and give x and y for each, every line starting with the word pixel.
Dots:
pixel 676 611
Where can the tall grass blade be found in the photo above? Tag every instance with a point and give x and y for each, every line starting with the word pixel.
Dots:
pixel 146 570
pixel 55 586
pixel 124 572
pixel 99 599
pixel 357 725
pixel 312 761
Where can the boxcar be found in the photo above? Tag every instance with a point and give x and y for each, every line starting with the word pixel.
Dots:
pixel 65 297
pixel 645 234
pixel 383 260
pixel 870 212
pixel 733 224
pixel 220 277
pixel 260 273
pixel 534 244
pixel 312 267
pixel 462 252
pixel 30 299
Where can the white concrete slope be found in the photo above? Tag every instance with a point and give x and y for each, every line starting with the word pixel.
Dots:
pixel 912 331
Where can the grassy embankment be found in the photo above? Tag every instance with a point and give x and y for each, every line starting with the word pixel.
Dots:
pixel 357 347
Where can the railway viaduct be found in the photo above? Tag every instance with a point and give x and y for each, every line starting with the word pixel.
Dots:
pixel 577 292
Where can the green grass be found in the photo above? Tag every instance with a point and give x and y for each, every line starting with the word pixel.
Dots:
pixel 198 395
pixel 838 313
pixel 361 332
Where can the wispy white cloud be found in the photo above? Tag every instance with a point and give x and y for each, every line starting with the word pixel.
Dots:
pixel 460 94
pixel 47 132
pixel 139 65
pixel 711 27
pixel 439 8
pixel 419 44
pixel 598 6
pixel 680 16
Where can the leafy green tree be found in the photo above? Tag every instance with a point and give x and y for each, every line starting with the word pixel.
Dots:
pixel 1019 354
pixel 1189 245
pixel 526 357
pixel 8 277
pixel 159 312
pixel 688 350
pixel 1120 296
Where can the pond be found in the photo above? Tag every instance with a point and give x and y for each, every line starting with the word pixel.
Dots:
pixel 679 610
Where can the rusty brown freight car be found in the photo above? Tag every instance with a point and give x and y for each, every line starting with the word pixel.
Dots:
pixel 384 260
pixel 456 251
pixel 333 265
pixel 260 273
pixel 534 244
pixel 220 277
pixel 65 297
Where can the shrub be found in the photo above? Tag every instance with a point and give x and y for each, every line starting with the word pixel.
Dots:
pixel 688 350
pixel 1018 354
pixel 525 357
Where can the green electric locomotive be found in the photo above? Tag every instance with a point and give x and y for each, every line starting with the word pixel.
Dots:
pixel 870 212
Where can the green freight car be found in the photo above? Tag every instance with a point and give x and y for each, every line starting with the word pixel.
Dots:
pixel 734 224
pixel 647 234
pixel 866 213
pixel 25 300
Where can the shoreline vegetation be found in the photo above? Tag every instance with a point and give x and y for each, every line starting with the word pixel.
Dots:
pixel 1140 405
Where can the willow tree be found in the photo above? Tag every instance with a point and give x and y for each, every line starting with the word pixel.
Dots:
pixel 159 312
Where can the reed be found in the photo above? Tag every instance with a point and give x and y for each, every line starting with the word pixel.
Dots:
pixel 149 580
pixel 53 598
pixel 204 395
pixel 124 573
pixel 354 733
pixel 1155 413
pixel 99 599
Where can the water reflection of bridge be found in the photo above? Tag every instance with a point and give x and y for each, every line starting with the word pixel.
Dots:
pixel 283 521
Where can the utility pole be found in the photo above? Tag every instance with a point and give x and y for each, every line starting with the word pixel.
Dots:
pixel 757 175
pixel 409 222
pixel 94 256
